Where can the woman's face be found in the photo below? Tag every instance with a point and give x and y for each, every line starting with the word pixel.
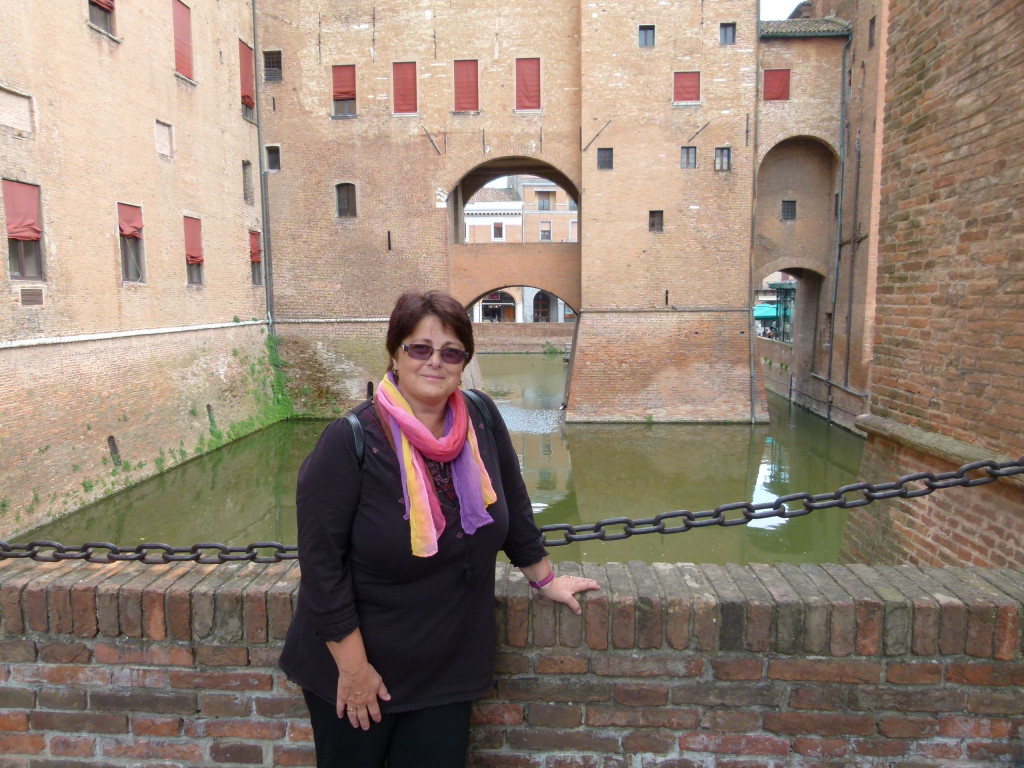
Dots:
pixel 428 382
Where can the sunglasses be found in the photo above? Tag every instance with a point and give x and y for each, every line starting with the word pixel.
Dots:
pixel 425 352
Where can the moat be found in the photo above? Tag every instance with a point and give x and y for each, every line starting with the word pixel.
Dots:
pixel 576 473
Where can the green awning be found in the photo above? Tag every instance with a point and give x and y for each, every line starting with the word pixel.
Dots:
pixel 766 312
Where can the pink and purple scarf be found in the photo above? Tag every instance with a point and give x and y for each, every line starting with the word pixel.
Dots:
pixel 459 446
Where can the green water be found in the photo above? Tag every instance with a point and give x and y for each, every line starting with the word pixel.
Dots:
pixel 577 473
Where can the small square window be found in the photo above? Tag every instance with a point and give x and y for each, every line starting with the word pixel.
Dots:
pixel 345 108
pixel 605 158
pixel 687 157
pixel 727 34
pixel 655 221
pixel 646 35
pixel 272 72
pixel 25 259
pixel 723 159
pixel 102 16
pixel 788 210
pixel 273 158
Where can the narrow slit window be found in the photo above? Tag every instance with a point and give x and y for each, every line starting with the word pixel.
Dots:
pixel 467 94
pixel 247 80
pixel 182 18
pixel 344 90
pixel 404 84
pixel 129 227
pixel 527 84
pixel 194 250
pixel 346 193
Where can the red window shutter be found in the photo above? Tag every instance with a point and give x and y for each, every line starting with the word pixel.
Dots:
pixel 255 252
pixel 182 38
pixel 247 74
pixel 21 207
pixel 467 95
pixel 686 86
pixel 527 83
pixel 344 77
pixel 129 220
pixel 776 84
pixel 106 5
pixel 404 75
pixel 193 241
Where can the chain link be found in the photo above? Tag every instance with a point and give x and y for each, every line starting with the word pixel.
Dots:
pixel 613 529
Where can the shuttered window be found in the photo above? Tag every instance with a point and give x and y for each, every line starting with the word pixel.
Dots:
pixel 527 84
pixel 776 84
pixel 467 95
pixel 247 77
pixel 182 15
pixel 686 87
pixel 404 84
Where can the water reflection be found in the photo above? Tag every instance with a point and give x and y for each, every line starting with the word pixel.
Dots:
pixel 639 471
pixel 577 473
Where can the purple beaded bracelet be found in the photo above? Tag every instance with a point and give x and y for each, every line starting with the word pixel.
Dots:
pixel 545 581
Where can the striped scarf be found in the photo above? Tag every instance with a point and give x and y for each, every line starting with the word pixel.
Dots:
pixel 413 441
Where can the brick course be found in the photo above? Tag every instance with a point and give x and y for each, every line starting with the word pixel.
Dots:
pixel 706 688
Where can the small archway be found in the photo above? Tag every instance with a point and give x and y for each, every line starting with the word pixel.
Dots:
pixel 520 304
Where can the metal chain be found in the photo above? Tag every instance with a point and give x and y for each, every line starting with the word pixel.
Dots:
pixel 614 529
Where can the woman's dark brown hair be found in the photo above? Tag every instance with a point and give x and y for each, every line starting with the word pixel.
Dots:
pixel 412 307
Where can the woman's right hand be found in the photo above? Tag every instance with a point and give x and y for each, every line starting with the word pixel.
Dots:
pixel 359 685
pixel 358 694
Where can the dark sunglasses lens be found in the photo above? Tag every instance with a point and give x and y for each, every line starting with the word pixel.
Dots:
pixel 453 356
pixel 419 351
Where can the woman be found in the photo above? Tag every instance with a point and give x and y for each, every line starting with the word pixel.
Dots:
pixel 394 632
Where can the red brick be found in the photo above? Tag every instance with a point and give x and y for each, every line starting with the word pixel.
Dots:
pixel 827 671
pixel 735 744
pixel 653 717
pixel 554 715
pixel 562 664
pixel 249 754
pixel 497 714
pixel 985 674
pixel 640 695
pixel 815 747
pixel 72 746
pixel 737 669
pixel 820 725
pixel 914 674
pixel 154 749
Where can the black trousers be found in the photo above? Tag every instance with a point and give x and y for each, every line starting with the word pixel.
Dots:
pixel 436 737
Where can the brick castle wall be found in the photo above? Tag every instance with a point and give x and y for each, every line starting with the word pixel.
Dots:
pixel 162 398
pixel 949 353
pixel 669 666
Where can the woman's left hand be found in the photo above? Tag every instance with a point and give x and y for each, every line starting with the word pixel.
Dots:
pixel 563 589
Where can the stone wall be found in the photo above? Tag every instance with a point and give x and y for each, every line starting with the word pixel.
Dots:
pixel 670 666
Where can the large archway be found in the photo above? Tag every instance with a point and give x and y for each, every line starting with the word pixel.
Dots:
pixel 552 264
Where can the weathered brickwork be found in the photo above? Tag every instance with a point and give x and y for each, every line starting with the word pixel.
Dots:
pixel 101 104
pixel 160 398
pixel 669 666
pixel 946 380
pixel 948 355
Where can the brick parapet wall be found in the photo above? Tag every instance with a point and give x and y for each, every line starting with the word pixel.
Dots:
pixel 669 666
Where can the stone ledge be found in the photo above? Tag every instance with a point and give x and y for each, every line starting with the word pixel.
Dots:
pixel 828 611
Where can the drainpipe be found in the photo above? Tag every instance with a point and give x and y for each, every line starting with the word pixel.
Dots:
pixel 854 241
pixel 753 228
pixel 839 222
pixel 268 272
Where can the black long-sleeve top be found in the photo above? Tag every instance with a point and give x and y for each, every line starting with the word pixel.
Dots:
pixel 427 623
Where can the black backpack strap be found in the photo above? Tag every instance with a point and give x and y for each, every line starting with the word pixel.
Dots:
pixel 357 435
pixel 474 397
